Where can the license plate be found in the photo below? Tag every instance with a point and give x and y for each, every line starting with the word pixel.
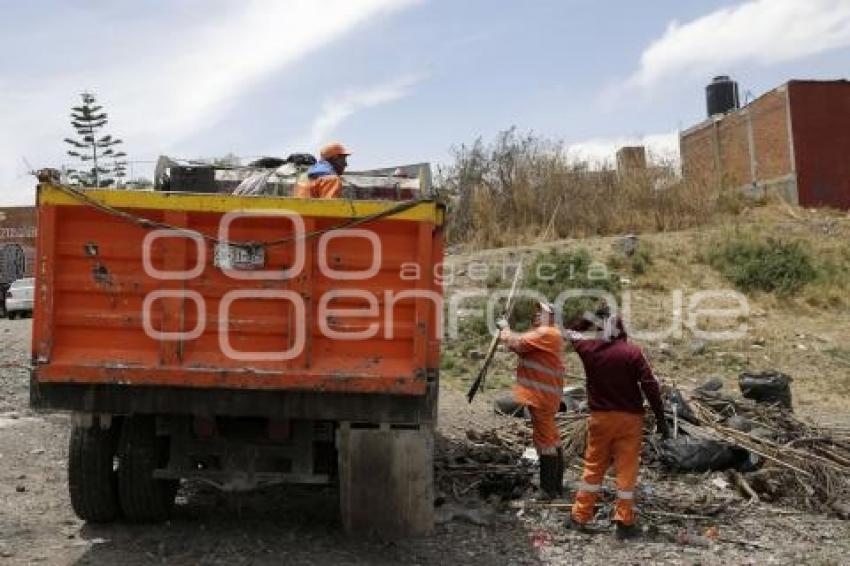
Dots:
pixel 239 257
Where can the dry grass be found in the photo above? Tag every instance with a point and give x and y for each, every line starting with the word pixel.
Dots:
pixel 523 189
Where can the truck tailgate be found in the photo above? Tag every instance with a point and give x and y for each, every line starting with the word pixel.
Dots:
pixel 120 299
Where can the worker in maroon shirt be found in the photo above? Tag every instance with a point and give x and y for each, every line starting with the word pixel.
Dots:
pixel 617 373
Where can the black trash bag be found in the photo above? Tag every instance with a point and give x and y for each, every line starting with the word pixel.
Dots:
pixel 770 387
pixel 267 162
pixel 302 159
pixel 507 405
pixel 681 407
pixel 689 454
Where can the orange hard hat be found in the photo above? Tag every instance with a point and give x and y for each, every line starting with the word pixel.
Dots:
pixel 334 150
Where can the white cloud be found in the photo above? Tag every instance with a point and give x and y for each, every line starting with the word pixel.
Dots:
pixel 764 32
pixel 601 151
pixel 338 108
pixel 162 80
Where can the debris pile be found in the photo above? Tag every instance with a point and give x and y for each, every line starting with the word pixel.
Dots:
pixel 725 452
pixel 488 465
pixel 786 459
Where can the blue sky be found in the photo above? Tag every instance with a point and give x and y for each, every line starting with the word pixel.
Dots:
pixel 398 81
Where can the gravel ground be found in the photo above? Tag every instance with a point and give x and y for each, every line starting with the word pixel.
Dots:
pixel 300 526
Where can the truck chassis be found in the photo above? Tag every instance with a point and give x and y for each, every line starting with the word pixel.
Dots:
pixel 130 447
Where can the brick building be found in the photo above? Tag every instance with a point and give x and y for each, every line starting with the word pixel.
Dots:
pixel 794 140
pixel 17 243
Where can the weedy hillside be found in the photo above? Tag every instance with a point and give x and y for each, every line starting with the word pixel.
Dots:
pixel 791 266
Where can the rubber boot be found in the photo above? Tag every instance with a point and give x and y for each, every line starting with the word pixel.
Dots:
pixel 573 525
pixel 625 532
pixel 559 477
pixel 549 484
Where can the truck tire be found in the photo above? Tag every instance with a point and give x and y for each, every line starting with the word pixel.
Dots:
pixel 91 474
pixel 143 498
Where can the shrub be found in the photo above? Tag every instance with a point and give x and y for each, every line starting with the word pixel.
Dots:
pixel 556 271
pixel 494 280
pixel 636 264
pixel 549 274
pixel 769 265
pixel 472 328
pixel 640 261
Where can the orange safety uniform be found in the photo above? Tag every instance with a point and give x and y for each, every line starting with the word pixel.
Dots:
pixel 540 382
pixel 329 186
pixel 618 376
pixel 612 436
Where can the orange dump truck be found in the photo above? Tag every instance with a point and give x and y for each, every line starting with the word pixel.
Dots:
pixel 240 341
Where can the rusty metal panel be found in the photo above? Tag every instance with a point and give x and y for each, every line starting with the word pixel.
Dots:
pixel 223 332
pixel 820 121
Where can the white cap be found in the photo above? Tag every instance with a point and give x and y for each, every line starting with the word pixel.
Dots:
pixel 546 307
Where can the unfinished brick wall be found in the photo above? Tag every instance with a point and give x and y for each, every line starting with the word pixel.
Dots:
pixel 752 147
pixel 696 149
pixel 742 147
pixel 734 150
pixel 770 135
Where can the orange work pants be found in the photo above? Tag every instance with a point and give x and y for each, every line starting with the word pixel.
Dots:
pixel 544 432
pixel 612 436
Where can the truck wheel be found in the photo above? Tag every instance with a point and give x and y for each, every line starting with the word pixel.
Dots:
pixel 91 474
pixel 143 498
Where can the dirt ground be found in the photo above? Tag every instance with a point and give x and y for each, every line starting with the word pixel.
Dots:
pixel 301 526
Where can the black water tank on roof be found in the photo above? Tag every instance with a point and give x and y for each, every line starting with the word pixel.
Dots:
pixel 721 96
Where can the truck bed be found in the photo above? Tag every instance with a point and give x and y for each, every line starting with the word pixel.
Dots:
pixel 218 333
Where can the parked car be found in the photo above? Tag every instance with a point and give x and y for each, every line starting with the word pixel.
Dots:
pixel 19 298
pixel 3 288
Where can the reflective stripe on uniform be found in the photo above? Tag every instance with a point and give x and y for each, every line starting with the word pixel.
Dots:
pixel 588 487
pixel 525 363
pixel 625 494
pixel 541 386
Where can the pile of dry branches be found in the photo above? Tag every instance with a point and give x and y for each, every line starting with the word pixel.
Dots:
pixel 797 463
pixel 806 464
pixel 485 464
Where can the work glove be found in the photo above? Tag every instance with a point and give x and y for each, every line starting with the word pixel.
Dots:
pixel 662 428
pixel 502 323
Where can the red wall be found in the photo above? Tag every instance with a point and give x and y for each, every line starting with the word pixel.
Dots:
pixel 820 118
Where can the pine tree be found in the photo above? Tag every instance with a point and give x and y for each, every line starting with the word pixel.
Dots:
pixel 97 153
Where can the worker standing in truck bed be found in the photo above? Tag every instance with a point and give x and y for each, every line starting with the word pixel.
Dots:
pixel 539 386
pixel 617 373
pixel 324 179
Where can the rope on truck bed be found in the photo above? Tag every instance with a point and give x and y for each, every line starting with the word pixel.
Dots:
pixel 151 224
